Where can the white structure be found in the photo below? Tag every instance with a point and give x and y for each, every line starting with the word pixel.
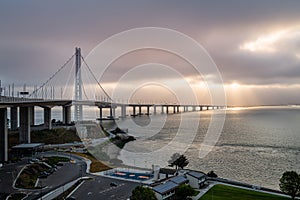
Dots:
pixel 165 191
pixel 196 179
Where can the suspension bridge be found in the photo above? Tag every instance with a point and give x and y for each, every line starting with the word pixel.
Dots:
pixel 65 88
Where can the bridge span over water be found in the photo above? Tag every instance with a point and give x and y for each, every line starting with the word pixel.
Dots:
pixel 22 108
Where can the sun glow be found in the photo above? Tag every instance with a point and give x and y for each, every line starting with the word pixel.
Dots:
pixel 264 43
pixel 234 85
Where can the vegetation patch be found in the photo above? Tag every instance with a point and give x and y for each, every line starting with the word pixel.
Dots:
pixel 29 175
pixel 224 192
pixel 96 165
pixel 55 136
pixel 121 140
pixel 55 159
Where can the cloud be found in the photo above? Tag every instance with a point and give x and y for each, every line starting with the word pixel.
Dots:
pixel 38 37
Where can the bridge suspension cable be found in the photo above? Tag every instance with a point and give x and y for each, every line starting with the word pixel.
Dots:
pixel 45 83
pixel 98 83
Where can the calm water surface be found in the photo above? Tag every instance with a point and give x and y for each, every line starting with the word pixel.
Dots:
pixel 256 145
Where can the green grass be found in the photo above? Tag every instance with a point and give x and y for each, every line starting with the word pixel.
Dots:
pixel 223 192
pixel 56 159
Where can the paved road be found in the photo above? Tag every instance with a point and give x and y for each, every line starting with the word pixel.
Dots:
pixel 7 174
pixel 99 188
pixel 64 174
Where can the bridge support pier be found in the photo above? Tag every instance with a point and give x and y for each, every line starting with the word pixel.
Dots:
pixel 140 110
pixel 174 109
pixel 24 135
pixel 167 109
pixel 134 111
pixel 47 118
pixel 185 109
pixel 112 112
pixel 123 111
pixel 3 135
pixel 100 112
pixel 13 118
pixel 148 110
pixel 162 109
pixel 154 109
pixel 31 110
pixel 66 114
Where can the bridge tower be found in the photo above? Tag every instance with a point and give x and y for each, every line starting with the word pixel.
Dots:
pixel 78 85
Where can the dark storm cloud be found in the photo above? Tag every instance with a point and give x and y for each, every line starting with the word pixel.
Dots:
pixel 38 37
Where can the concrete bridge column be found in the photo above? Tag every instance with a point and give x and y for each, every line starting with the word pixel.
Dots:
pixel 134 111
pixel 123 111
pixel 200 108
pixel 3 135
pixel 112 112
pixel 154 109
pixel 31 110
pixel 194 108
pixel 167 109
pixel 47 118
pixel 24 135
pixel 174 109
pixel 66 114
pixel 162 109
pixel 13 118
pixel 148 110
pixel 140 110
pixel 100 112
pixel 177 109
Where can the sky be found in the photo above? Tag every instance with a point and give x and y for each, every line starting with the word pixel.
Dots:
pixel 254 44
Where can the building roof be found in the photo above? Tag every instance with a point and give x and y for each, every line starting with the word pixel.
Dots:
pixel 197 175
pixel 167 171
pixel 178 179
pixel 28 146
pixel 165 188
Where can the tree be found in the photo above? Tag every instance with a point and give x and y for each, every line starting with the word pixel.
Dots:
pixel 141 192
pixel 184 191
pixel 178 160
pixel 212 174
pixel 290 183
pixel 174 157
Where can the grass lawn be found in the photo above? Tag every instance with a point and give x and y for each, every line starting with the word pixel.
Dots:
pixel 96 165
pixel 53 160
pixel 224 192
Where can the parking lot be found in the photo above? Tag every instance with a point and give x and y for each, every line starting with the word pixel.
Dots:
pixel 101 188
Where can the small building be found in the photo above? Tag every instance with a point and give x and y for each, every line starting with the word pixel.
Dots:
pixel 196 179
pixel 165 191
pixel 166 172
pixel 29 149
pixel 179 180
